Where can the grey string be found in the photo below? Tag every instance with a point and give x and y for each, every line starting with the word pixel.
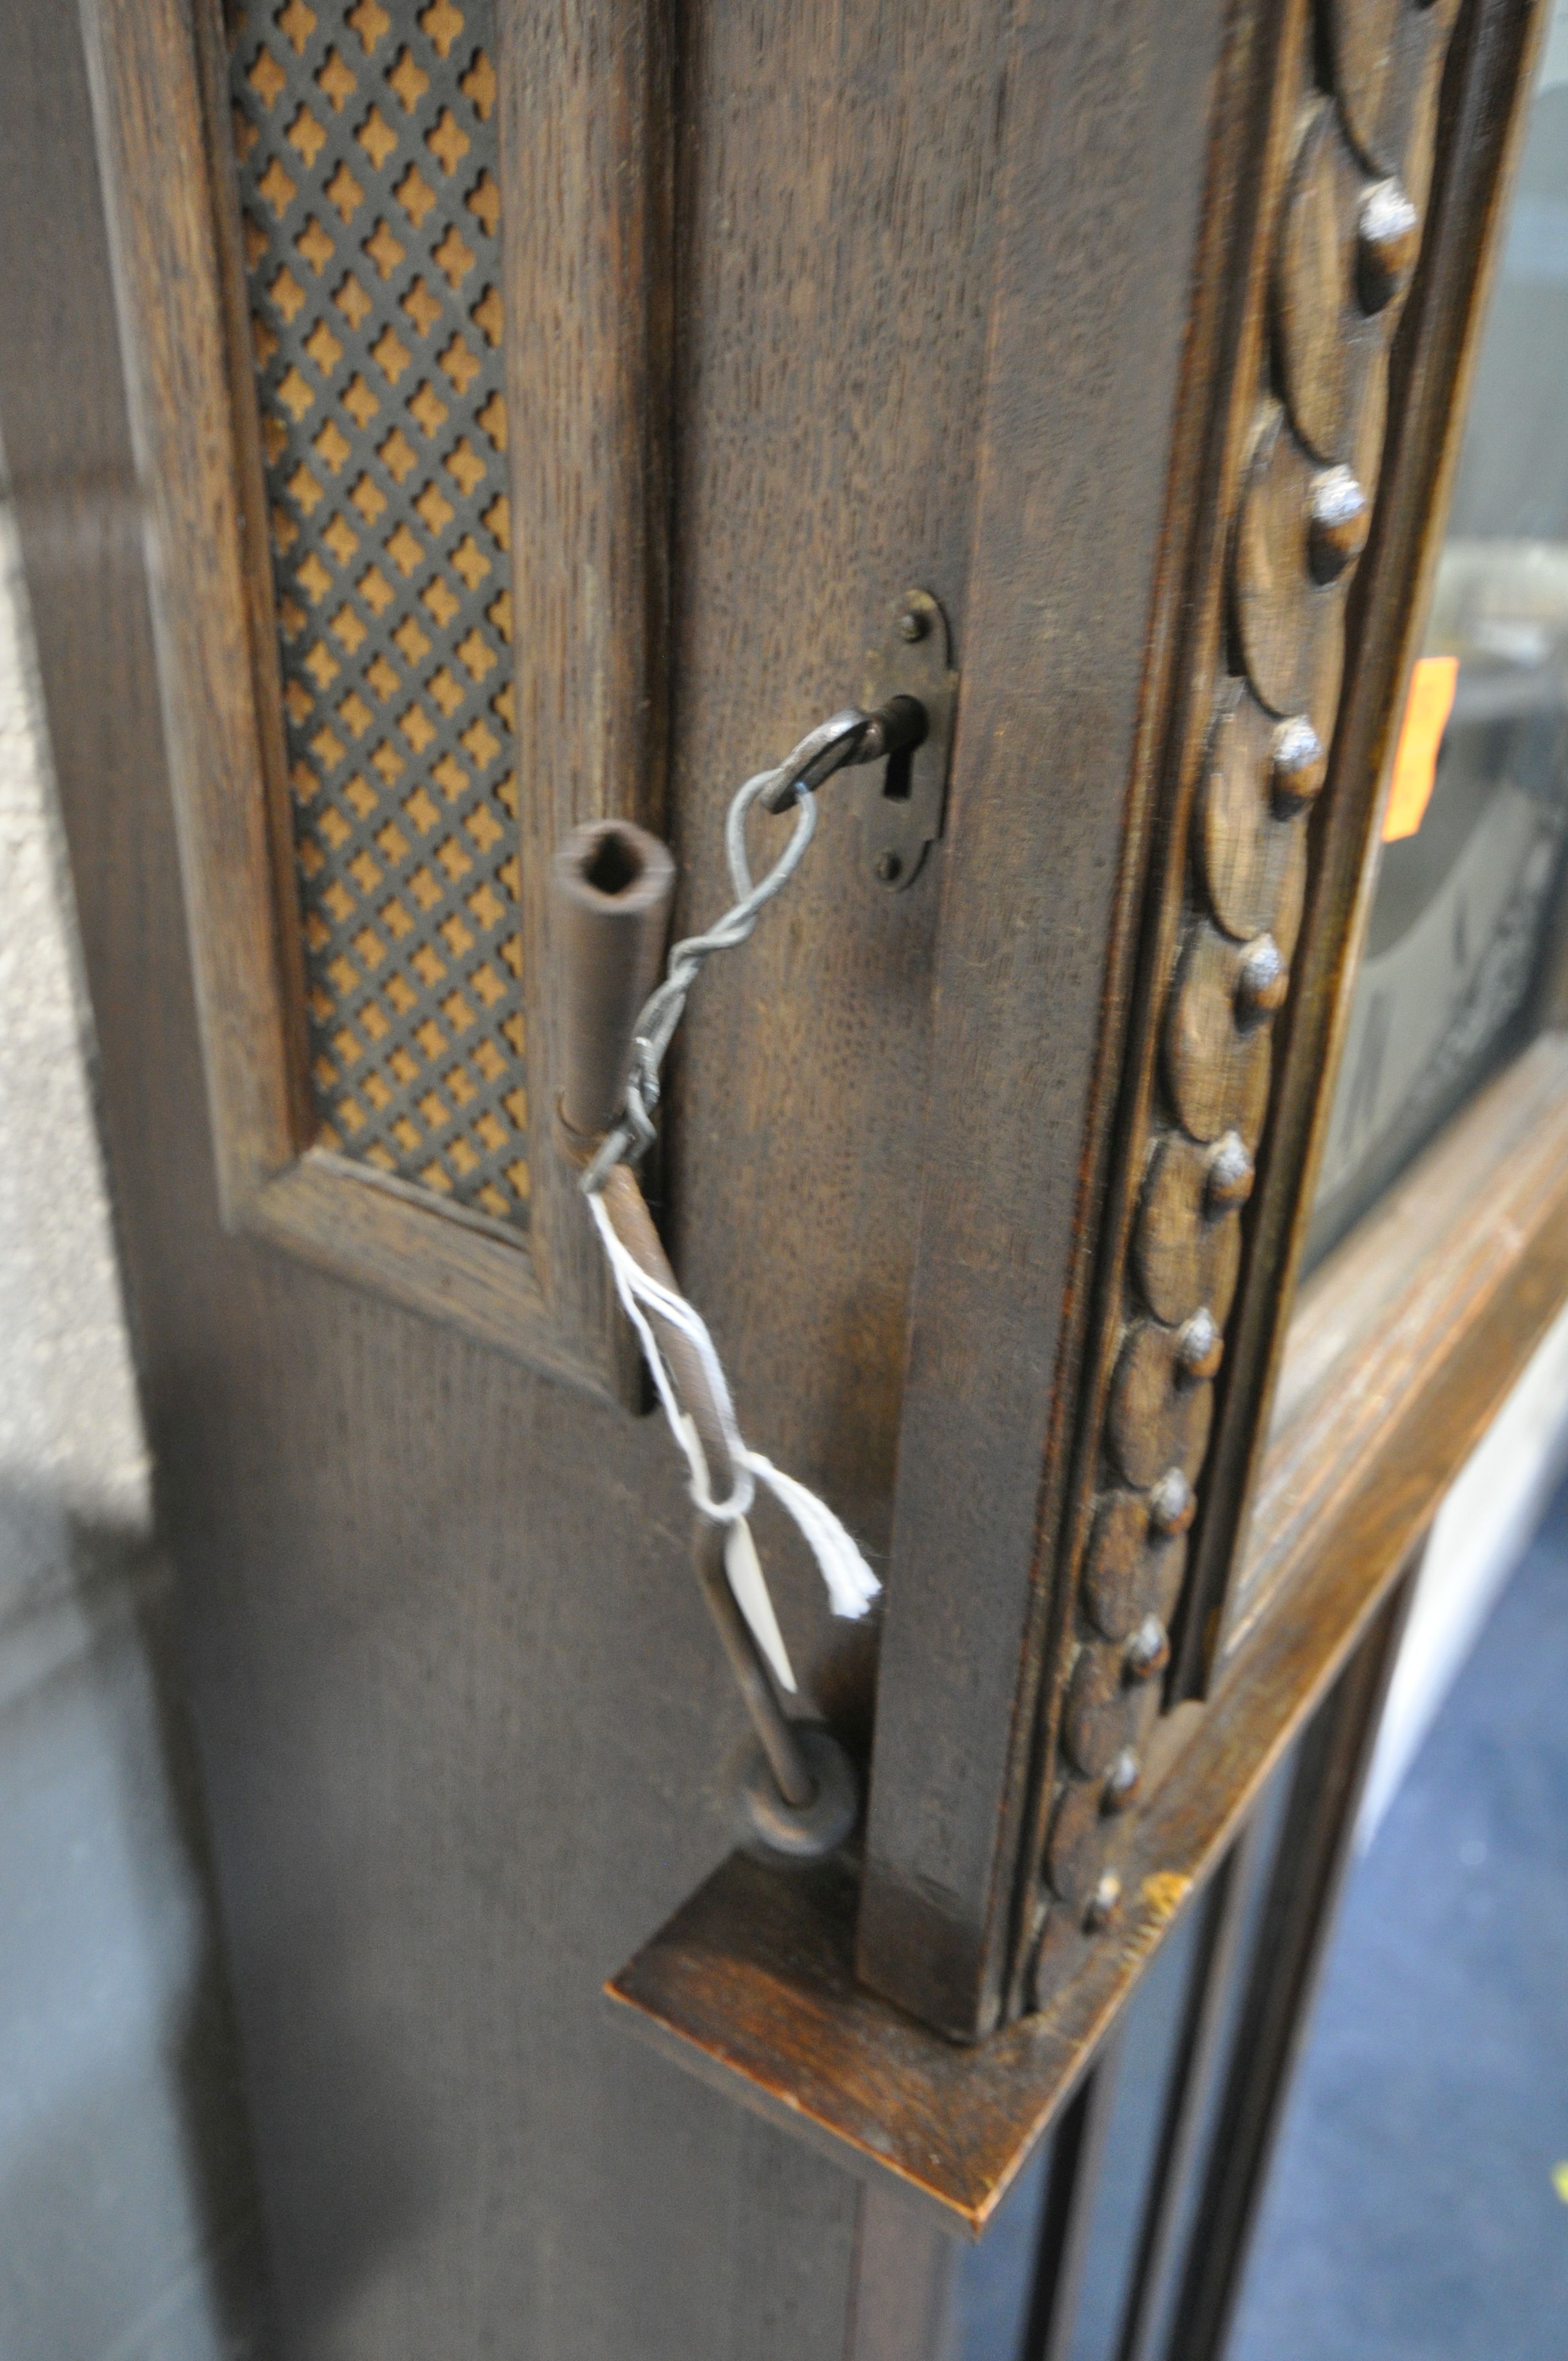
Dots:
pixel 851 1586
pixel 824 750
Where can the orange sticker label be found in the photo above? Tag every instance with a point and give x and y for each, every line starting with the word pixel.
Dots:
pixel 1427 708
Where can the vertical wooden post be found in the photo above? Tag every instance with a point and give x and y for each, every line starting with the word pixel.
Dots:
pixel 901 2303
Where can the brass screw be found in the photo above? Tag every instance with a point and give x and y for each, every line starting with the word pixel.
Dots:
pixel 1173 1504
pixel 913 624
pixel 1149 1649
pixel 1231 1174
pixel 1105 1903
pixel 1199 1346
pixel 890 868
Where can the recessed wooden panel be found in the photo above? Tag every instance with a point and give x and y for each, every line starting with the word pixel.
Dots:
pixel 324 217
pixel 366 139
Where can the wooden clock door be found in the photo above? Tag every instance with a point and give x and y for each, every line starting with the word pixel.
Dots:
pixel 435 423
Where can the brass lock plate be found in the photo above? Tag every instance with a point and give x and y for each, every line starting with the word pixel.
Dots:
pixel 903 798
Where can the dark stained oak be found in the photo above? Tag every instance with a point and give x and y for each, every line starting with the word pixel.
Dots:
pixel 1062 664
pixel 1403 1349
pixel 818 303
pixel 904 2282
pixel 1322 329
pixel 225 750
pixel 585 216
pixel 1297 533
pixel 1254 845
pixel 1216 1060
pixel 466 1734
pixel 1013 1352
pixel 587 229
pixel 1187 1246
pixel 1159 1414
pixel 1290 609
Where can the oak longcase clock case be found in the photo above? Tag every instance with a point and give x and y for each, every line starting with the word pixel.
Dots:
pixel 437 424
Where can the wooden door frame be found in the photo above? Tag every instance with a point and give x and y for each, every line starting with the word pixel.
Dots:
pixel 1267 1914
pixel 987 1624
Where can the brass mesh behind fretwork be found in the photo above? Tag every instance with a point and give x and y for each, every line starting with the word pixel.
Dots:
pixel 365 140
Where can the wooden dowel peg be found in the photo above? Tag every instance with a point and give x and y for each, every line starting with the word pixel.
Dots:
pixel 613 887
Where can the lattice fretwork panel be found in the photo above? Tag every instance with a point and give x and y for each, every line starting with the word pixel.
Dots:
pixel 365 140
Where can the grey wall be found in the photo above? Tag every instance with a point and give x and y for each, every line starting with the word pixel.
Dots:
pixel 127 2224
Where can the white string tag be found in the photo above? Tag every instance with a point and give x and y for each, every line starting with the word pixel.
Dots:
pixel 851 1586
pixel 744 1568
pixel 850 1582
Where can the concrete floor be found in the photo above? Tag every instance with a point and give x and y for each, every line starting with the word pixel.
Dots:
pixel 128 2229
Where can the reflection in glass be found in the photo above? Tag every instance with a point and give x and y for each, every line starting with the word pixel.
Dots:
pixel 1459 956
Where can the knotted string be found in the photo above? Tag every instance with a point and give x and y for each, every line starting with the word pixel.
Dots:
pixel 850 1582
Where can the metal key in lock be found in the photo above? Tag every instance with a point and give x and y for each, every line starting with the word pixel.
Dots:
pixel 911 700
pixel 903 803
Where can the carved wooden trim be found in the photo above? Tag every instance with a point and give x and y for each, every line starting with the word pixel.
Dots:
pixel 1481 126
pixel 584 208
pixel 1091 530
pixel 1431 1315
pixel 1338 241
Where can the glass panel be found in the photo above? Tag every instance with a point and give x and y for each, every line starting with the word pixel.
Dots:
pixel 994 2282
pixel 1470 874
pixel 1414 2208
pixel 1156 2061
pixel 365 142
pixel 1153 2024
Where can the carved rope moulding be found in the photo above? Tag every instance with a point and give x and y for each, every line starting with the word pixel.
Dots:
pixel 1345 244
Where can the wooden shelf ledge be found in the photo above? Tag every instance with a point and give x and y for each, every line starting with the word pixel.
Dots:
pixel 1401 1350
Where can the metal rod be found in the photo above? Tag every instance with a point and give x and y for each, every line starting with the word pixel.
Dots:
pixel 634 1224
pixel 772 1724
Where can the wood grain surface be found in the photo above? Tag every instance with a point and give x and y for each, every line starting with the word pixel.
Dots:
pixel 588 255
pixel 225 749
pixel 1489 73
pixel 928 285
pixel 466 1731
pixel 1108 113
pixel 585 218
pixel 1403 1350
pixel 1211 1000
